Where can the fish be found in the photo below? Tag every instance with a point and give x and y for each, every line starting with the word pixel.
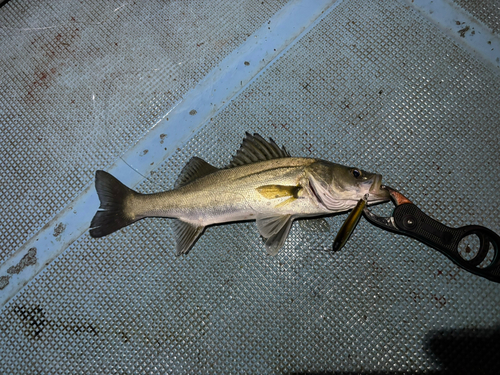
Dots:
pixel 262 183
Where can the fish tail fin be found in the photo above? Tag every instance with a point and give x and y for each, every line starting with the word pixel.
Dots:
pixel 112 214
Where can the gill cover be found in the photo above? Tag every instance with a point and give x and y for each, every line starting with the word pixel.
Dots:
pixel 336 187
pixel 321 180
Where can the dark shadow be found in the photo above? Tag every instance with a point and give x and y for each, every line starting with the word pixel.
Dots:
pixel 363 373
pixel 466 351
pixel 3 2
pixel 352 373
pixel 454 352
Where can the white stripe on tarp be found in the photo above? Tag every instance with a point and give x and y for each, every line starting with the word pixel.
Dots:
pixel 467 31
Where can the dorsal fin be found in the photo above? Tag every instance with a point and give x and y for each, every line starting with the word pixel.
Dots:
pixel 194 169
pixel 255 149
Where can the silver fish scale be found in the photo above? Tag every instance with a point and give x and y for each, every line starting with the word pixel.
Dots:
pixel 374 85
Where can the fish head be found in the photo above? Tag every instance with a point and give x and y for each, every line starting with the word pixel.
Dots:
pixel 339 188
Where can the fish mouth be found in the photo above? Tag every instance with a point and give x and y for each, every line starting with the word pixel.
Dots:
pixel 377 193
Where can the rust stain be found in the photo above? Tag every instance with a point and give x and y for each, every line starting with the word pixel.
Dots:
pixel 463 31
pixel 55 51
pixel 420 297
pixel 4 281
pixel 283 126
pixel 28 260
pixel 439 300
pixel 59 229
pixel 416 296
pixel 42 80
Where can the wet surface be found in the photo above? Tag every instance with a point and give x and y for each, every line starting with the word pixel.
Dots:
pixel 372 85
pixel 35 323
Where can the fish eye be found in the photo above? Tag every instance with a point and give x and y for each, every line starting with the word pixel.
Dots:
pixel 356 173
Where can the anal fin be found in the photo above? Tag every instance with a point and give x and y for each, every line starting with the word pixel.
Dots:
pixel 186 235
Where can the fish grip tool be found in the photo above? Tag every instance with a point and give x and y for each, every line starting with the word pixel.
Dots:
pixel 409 220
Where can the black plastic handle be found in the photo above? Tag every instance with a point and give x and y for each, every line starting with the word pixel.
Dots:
pixel 414 223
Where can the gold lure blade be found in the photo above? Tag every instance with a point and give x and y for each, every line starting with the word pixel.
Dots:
pixel 350 224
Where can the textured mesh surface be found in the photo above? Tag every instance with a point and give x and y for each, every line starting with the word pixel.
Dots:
pixel 487 12
pixel 85 80
pixel 411 105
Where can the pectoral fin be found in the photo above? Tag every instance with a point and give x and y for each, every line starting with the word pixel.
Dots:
pixel 278 191
pixel 275 230
pixel 186 235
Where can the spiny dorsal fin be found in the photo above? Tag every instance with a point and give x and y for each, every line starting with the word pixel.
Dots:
pixel 185 235
pixel 255 149
pixel 194 169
